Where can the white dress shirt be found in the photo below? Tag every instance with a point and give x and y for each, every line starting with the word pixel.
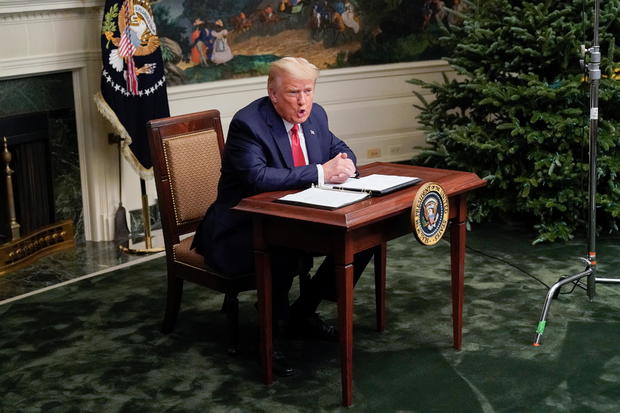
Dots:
pixel 302 142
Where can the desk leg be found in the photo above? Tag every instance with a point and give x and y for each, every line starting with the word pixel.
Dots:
pixel 380 261
pixel 457 264
pixel 344 274
pixel 263 290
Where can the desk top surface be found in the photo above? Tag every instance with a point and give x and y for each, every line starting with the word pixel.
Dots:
pixel 368 210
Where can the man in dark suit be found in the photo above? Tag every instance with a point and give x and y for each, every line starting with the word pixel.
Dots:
pixel 281 141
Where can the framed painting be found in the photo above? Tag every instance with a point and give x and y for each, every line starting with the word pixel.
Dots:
pixel 207 40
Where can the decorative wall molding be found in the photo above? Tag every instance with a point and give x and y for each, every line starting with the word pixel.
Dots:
pixel 379 71
pixel 328 76
pixel 29 6
pixel 362 84
pixel 33 65
pixel 50 16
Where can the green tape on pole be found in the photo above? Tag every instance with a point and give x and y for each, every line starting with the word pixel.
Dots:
pixel 541 327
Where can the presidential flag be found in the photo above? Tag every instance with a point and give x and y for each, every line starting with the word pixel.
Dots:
pixel 133 84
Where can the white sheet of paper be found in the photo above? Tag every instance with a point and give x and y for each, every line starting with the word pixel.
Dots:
pixel 325 197
pixel 374 182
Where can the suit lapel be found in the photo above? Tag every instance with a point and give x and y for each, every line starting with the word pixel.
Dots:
pixel 313 147
pixel 278 132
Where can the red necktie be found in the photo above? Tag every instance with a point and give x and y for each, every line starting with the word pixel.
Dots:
pixel 298 154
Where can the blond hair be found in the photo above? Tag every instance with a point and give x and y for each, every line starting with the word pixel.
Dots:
pixel 295 67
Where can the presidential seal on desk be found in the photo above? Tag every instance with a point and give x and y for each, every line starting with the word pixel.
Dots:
pixel 429 213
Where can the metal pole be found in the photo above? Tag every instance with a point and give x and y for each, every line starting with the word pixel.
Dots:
pixel 594 74
pixel 146 216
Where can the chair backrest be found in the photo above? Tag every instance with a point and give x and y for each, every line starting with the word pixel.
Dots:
pixel 186 153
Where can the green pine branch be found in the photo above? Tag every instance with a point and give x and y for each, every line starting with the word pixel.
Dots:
pixel 518 113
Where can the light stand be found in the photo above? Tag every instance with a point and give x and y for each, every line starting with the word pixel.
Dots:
pixel 594 74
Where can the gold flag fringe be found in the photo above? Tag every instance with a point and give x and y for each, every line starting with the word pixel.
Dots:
pixel 118 127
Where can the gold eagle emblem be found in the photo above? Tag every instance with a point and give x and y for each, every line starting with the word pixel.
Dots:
pixel 143 30
pixel 429 213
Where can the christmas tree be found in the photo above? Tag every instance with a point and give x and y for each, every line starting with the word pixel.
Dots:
pixel 517 113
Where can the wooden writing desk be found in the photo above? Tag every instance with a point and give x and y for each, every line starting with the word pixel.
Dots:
pixel 346 231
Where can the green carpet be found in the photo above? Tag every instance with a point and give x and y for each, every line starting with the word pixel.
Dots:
pixel 95 345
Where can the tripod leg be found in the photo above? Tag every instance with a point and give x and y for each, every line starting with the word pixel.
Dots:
pixel 556 293
pixel 552 293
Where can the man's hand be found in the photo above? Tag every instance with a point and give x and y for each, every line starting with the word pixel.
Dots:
pixel 338 169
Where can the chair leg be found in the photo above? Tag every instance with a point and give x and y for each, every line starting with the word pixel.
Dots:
pixel 380 253
pixel 230 307
pixel 173 303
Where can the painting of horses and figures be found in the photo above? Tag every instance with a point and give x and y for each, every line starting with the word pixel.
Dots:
pixel 207 40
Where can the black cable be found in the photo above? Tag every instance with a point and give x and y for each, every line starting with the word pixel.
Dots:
pixel 576 283
pixel 507 263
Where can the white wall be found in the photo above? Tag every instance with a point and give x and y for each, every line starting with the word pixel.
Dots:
pixel 369 107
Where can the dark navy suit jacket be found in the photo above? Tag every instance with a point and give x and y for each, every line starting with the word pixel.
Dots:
pixel 257 158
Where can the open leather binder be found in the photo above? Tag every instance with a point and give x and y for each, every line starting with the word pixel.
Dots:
pixel 349 192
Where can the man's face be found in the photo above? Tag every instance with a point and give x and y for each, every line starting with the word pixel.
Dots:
pixel 292 98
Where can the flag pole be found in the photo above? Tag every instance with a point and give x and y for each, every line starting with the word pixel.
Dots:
pixel 146 216
pixel 146 219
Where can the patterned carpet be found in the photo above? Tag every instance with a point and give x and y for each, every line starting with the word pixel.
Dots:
pixel 95 345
